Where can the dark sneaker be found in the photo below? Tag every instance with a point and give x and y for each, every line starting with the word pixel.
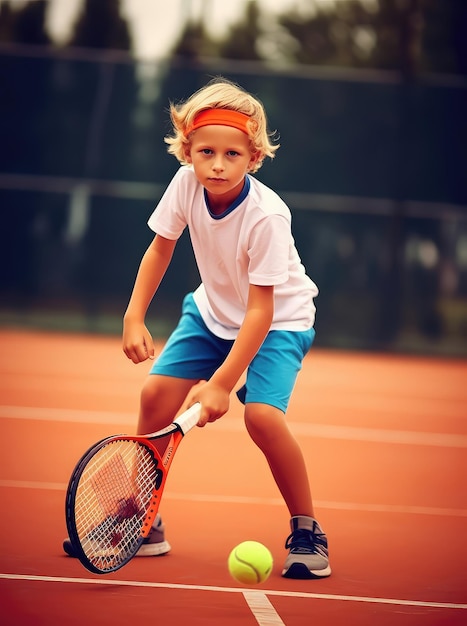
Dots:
pixel 154 545
pixel 308 550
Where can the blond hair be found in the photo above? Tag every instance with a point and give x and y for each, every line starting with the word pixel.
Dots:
pixel 221 93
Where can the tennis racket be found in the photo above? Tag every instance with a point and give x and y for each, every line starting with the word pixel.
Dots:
pixel 115 490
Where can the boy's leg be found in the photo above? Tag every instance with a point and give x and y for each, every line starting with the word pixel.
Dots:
pixel 160 401
pixel 267 427
pixel 192 353
pixel 269 385
pixel 307 544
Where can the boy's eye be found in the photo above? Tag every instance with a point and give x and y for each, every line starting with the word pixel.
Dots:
pixel 232 153
pixel 206 151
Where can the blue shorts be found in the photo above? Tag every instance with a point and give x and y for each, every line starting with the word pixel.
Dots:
pixel 194 352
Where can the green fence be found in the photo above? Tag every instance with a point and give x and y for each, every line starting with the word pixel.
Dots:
pixel 374 171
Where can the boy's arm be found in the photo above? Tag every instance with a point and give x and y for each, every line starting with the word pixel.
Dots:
pixel 214 394
pixel 137 341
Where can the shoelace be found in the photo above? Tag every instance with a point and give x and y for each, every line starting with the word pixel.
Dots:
pixel 304 541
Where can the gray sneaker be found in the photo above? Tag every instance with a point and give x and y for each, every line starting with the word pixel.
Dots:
pixel 308 550
pixel 155 543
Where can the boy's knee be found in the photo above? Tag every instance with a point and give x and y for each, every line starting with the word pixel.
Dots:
pixel 263 421
pixel 149 394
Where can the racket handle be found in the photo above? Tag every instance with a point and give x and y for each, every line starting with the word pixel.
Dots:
pixel 189 418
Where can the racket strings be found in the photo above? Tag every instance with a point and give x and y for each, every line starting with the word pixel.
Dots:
pixel 113 495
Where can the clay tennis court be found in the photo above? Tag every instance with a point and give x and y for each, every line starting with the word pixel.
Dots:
pixel 385 440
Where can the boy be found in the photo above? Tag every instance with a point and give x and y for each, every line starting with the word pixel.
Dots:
pixel 252 311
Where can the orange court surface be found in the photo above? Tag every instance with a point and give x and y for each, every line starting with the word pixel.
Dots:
pixel 385 440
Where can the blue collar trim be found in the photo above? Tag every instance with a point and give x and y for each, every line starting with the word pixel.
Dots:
pixel 238 200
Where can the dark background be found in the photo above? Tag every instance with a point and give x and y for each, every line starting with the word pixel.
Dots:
pixel 373 164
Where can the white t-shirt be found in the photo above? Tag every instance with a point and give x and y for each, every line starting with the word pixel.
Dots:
pixel 250 243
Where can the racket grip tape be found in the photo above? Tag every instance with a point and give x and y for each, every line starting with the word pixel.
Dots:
pixel 189 418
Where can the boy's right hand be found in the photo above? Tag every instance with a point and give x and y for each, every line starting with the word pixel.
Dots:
pixel 137 342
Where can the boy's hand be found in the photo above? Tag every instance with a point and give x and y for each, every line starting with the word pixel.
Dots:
pixel 137 342
pixel 214 401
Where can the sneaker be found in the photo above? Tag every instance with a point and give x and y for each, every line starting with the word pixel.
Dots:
pixel 155 543
pixel 308 550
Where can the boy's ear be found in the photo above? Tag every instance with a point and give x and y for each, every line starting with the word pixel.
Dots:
pixel 255 157
pixel 187 153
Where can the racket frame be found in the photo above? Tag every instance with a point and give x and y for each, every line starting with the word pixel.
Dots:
pixel 176 431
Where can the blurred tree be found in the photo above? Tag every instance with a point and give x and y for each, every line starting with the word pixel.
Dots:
pixel 327 36
pixel 444 36
pixel 241 42
pixel 6 22
pixel 24 24
pixel 397 27
pixel 358 33
pixel 83 105
pixel 22 139
pixel 101 25
pixel 88 115
pixel 194 43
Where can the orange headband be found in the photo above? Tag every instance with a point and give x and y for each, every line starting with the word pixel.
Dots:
pixel 221 117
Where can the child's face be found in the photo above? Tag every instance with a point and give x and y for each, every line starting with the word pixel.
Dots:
pixel 221 158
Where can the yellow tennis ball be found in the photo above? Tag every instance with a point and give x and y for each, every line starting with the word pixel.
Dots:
pixel 250 563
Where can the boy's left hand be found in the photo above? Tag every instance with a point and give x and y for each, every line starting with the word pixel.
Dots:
pixel 214 401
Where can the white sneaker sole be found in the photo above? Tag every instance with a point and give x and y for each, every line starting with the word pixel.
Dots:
pixel 301 571
pixel 154 549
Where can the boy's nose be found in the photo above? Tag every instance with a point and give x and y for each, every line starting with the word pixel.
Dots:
pixel 218 165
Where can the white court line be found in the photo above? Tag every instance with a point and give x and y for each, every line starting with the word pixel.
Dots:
pixel 268 592
pixel 263 611
pixel 322 431
pixel 66 415
pixel 223 499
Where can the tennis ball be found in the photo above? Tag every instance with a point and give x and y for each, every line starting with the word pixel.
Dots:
pixel 250 563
